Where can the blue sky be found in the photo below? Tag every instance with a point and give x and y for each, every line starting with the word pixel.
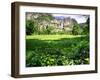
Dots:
pixel 78 18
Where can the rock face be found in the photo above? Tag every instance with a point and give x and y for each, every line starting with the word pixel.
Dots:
pixel 69 23
pixel 59 23
pixel 66 23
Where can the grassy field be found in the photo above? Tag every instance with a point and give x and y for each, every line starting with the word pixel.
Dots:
pixel 55 50
pixel 52 37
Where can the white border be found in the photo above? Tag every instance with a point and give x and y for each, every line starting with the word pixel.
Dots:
pixel 37 70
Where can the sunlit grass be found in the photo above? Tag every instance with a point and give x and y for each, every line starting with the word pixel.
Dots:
pixel 56 50
pixel 52 37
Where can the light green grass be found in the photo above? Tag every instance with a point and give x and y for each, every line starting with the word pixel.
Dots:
pixel 56 50
pixel 52 37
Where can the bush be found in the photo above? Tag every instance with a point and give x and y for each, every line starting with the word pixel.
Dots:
pixel 85 29
pixel 29 27
pixel 76 29
pixel 49 30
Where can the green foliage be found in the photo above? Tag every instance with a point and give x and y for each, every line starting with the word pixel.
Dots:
pixel 55 50
pixel 29 27
pixel 86 27
pixel 48 45
pixel 76 29
pixel 39 25
pixel 45 17
pixel 45 23
pixel 49 30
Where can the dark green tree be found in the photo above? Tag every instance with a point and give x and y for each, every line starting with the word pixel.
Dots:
pixel 76 29
pixel 86 27
pixel 29 27
pixel 43 21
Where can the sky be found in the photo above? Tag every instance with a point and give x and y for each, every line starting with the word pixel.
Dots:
pixel 78 18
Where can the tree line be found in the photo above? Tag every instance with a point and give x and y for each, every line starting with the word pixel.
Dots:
pixel 40 24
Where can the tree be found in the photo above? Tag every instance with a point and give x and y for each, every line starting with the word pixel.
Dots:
pixel 86 27
pixel 43 21
pixel 88 24
pixel 76 29
pixel 29 27
pixel 38 23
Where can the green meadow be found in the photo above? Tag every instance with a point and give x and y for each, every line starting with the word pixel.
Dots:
pixel 56 50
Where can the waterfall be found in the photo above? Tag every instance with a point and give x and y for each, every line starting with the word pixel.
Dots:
pixel 61 24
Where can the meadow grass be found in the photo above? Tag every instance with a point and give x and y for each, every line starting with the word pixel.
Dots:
pixel 52 37
pixel 51 50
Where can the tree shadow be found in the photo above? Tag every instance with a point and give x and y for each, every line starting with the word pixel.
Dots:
pixel 60 43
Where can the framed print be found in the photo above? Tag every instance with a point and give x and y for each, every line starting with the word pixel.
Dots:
pixel 53 39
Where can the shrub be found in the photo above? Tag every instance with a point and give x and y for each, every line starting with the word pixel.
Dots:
pixel 29 27
pixel 76 29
